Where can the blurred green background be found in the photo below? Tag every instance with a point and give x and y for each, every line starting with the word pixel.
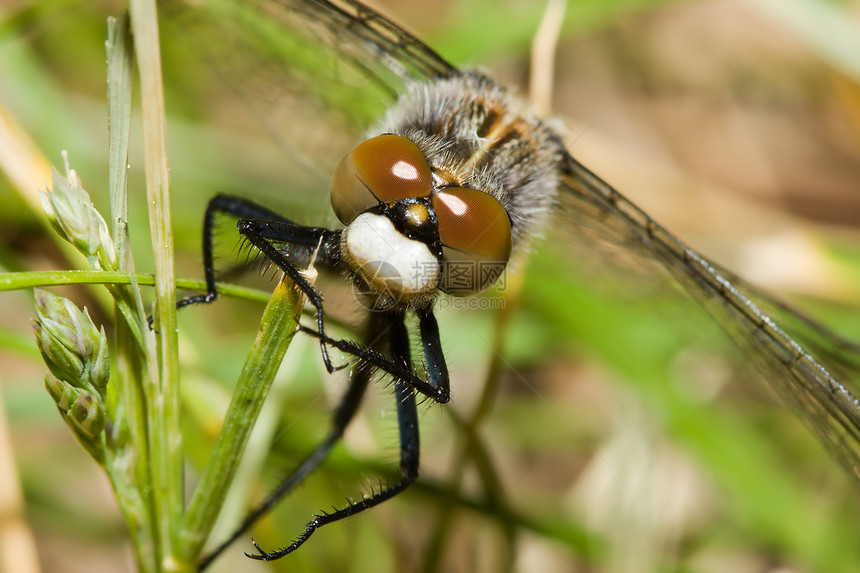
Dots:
pixel 627 432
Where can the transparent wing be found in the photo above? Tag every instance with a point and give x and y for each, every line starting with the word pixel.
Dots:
pixel 598 212
pixel 316 73
pixel 364 36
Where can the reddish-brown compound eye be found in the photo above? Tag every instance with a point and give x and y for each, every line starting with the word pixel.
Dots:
pixel 475 231
pixel 382 169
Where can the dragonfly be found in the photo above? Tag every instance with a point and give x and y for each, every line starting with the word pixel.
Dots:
pixel 458 152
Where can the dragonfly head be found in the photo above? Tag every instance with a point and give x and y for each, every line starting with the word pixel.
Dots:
pixel 410 235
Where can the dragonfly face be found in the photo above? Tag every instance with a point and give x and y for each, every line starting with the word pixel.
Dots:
pixel 456 152
pixel 405 238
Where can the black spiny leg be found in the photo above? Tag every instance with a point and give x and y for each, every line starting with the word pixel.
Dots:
pixel 231 205
pixel 436 387
pixel 265 229
pixel 359 379
pixel 407 418
pixel 267 235
pixel 437 368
